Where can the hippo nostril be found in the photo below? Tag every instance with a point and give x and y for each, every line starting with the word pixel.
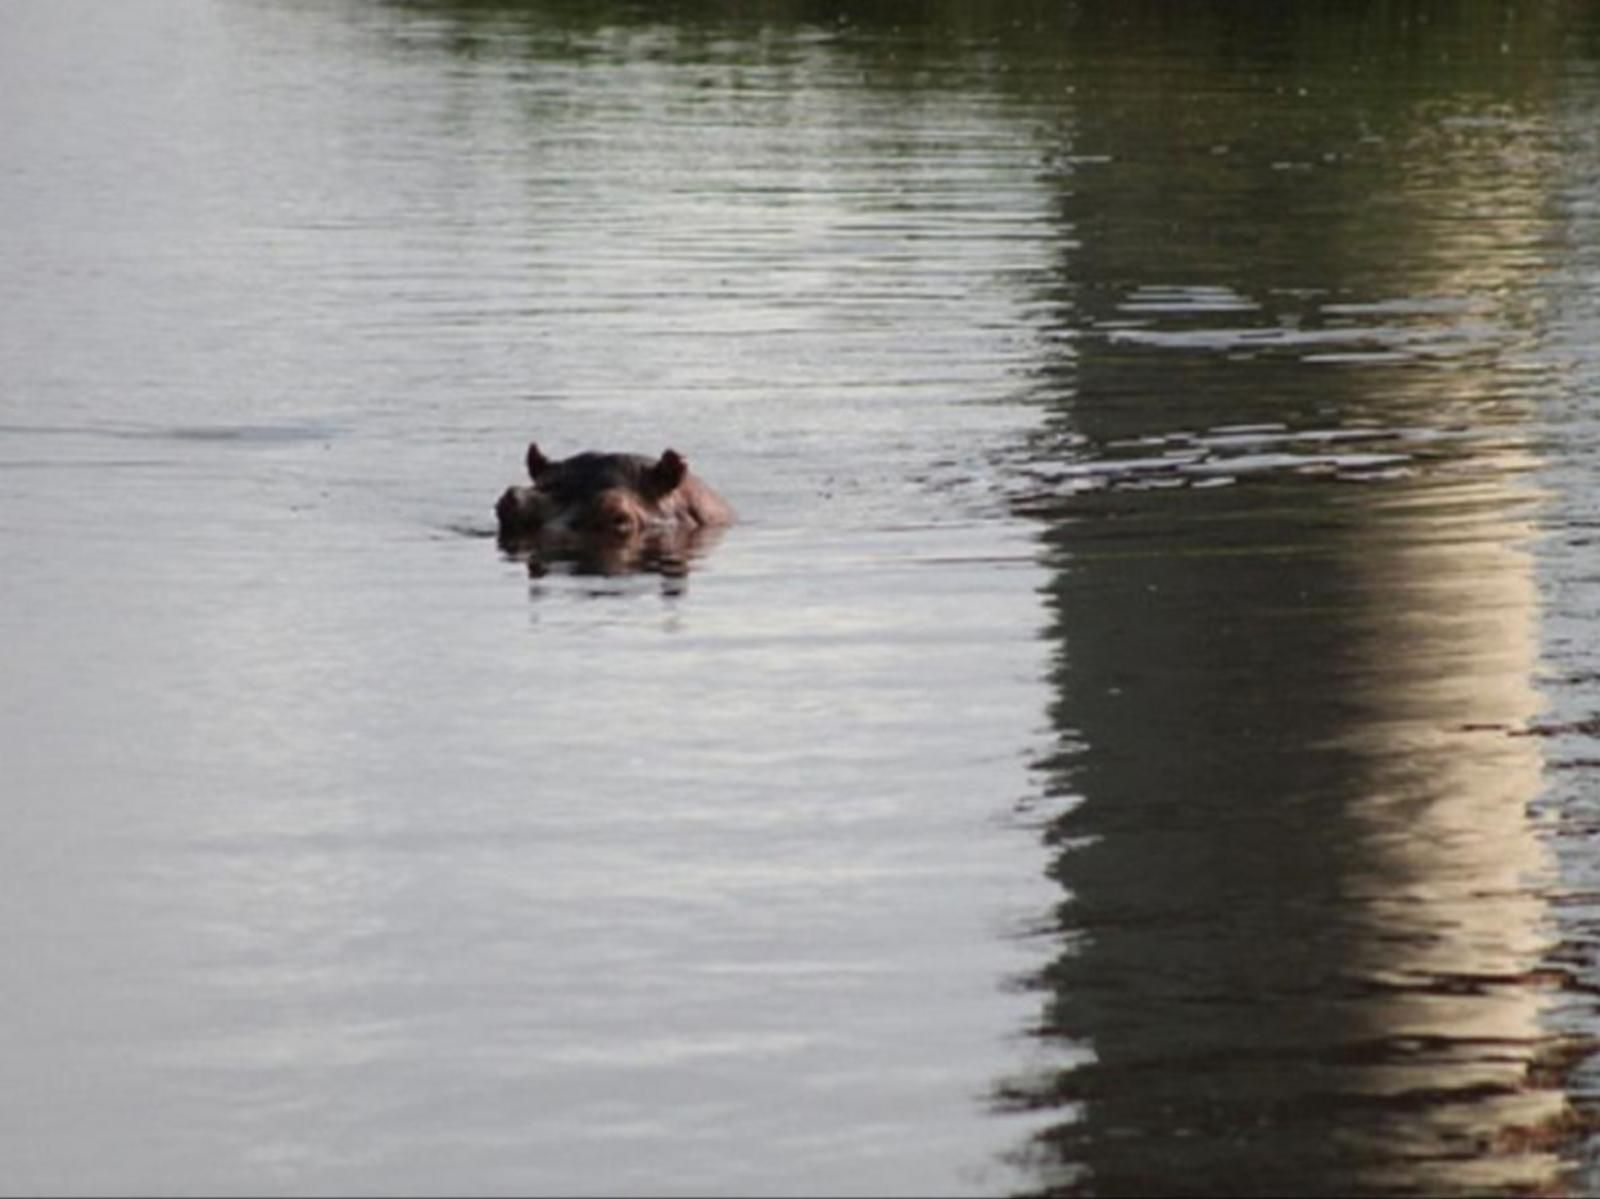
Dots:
pixel 511 513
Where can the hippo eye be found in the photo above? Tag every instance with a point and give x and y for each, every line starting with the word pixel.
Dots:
pixel 556 488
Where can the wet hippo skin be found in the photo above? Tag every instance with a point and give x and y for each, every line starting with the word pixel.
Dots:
pixel 599 497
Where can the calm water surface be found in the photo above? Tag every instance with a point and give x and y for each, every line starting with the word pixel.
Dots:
pixel 1140 739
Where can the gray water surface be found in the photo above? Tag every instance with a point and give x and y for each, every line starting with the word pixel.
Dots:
pixel 1140 737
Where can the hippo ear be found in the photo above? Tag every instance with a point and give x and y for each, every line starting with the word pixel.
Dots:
pixel 537 462
pixel 666 474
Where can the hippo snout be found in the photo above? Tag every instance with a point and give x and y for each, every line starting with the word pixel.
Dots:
pixel 521 511
pixel 505 508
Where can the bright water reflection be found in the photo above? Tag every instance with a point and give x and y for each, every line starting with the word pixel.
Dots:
pixel 1136 741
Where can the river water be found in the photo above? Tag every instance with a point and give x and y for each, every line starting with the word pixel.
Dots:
pixel 1140 737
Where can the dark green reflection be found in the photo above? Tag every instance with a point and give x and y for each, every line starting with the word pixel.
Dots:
pixel 1302 925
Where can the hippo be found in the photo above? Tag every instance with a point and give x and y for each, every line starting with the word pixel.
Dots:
pixel 608 500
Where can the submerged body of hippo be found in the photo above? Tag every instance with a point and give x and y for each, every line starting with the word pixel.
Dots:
pixel 617 508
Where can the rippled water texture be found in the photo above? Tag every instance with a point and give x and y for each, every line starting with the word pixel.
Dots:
pixel 1140 737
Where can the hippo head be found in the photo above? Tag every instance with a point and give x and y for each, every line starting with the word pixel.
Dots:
pixel 590 495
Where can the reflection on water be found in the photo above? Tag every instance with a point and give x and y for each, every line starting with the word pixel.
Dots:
pixel 1104 758
pixel 1303 892
pixel 1305 925
pixel 670 556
